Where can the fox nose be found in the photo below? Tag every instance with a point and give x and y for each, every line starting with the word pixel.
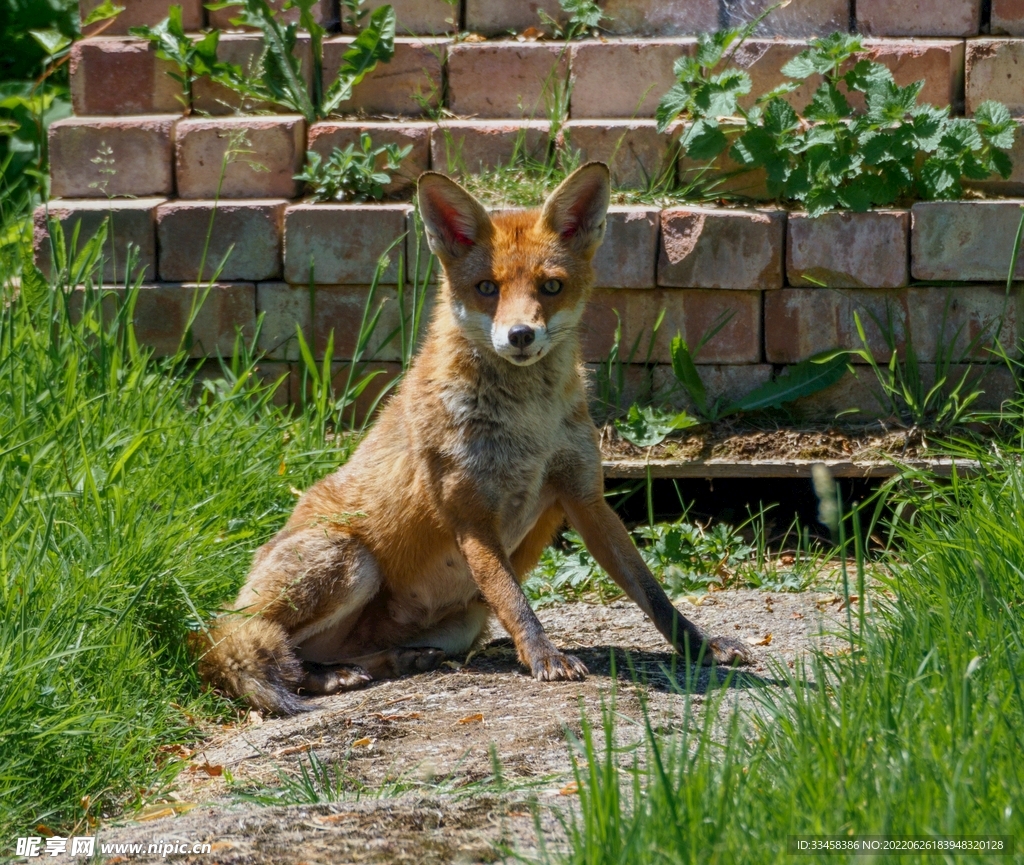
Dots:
pixel 520 335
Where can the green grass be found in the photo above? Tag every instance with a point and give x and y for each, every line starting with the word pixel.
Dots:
pixel 131 499
pixel 916 725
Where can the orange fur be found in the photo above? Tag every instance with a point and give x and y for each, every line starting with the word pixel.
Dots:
pixel 403 553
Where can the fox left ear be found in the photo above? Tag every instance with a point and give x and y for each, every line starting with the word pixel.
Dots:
pixel 576 211
pixel 454 220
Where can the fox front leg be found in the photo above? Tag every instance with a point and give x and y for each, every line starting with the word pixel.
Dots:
pixel 493 573
pixel 612 547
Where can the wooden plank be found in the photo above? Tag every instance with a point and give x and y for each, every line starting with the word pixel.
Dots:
pixel 777 468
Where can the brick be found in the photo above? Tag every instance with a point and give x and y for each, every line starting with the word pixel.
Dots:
pixel 799 18
pixel 402 87
pixel 919 17
pixel 379 389
pixel 800 322
pixel 625 259
pixel 245 50
pixel 725 175
pixel 500 17
pixel 763 59
pixel 995 70
pixel 704 247
pixel 325 137
pixel 131 224
pixel 691 312
pixel 964 240
pixel 467 146
pixel 113 75
pixel 92 156
pixel 849 250
pixel 637 154
pixel 138 13
pixel 250 229
pixel 660 17
pixel 272 153
pixel 855 396
pixel 271 372
pixel 342 242
pixel 505 79
pixel 937 62
pixel 419 17
pixel 325 12
pixel 623 77
pixel 1007 16
pixel 330 308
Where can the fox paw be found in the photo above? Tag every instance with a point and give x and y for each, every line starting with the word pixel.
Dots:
pixel 554 667
pixel 418 660
pixel 726 652
pixel 334 680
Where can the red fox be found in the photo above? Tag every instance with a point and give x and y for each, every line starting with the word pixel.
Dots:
pixel 401 556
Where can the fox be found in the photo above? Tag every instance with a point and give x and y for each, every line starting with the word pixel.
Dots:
pixel 402 556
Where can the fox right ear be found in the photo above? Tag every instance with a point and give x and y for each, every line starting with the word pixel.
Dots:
pixel 455 221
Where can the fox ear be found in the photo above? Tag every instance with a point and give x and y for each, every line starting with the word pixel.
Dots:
pixel 576 210
pixel 455 221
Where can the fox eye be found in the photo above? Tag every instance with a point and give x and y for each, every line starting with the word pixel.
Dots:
pixel 552 286
pixel 487 288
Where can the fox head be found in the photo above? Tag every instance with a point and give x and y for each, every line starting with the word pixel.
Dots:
pixel 518 280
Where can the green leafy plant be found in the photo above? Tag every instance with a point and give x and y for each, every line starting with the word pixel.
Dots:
pixel 646 426
pixel 194 58
pixel 280 80
pixel 827 156
pixel 585 17
pixel 352 174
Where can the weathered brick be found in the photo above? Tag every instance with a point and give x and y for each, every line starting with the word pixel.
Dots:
pixel 250 230
pixel 691 312
pixel 623 77
pixel 271 372
pixel 995 70
pixel 937 62
pixel 800 322
pixel 798 18
pixel 92 156
pixel 328 308
pixel 113 75
pixel 404 86
pixel 245 50
pixel 138 13
pixel 660 17
pixel 342 242
pixel 964 240
pixel 467 146
pixel 637 154
pixel 372 399
pixel 130 224
pixel 763 59
pixel 419 17
pixel 626 257
pixel 500 17
pixel 705 247
pixel 725 175
pixel 849 250
pixel 657 384
pixel 919 17
pixel 505 79
pixel 1008 17
pixel 325 12
pixel 325 137
pixel 267 153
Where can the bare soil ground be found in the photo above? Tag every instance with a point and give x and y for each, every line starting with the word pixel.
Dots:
pixel 420 748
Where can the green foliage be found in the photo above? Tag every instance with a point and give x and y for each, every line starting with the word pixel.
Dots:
pixel 827 156
pixel 647 426
pixel 352 174
pixel 906 720
pixel 585 18
pixel 194 59
pixel 279 81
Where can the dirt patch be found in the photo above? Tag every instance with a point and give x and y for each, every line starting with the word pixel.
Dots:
pixel 724 441
pixel 422 749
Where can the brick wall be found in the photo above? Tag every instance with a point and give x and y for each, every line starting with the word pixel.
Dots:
pixel 463 105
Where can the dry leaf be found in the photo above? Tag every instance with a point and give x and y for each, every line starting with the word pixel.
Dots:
pixel 158 812
pixel 365 742
pixel 530 34
pixel 797 616
pixel 211 770
pixel 765 641
pixel 474 37
pixel 291 749
pixel 788 559
pixel 45 830
pixel 570 789
pixel 453 665
pixel 294 491
pixel 472 719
